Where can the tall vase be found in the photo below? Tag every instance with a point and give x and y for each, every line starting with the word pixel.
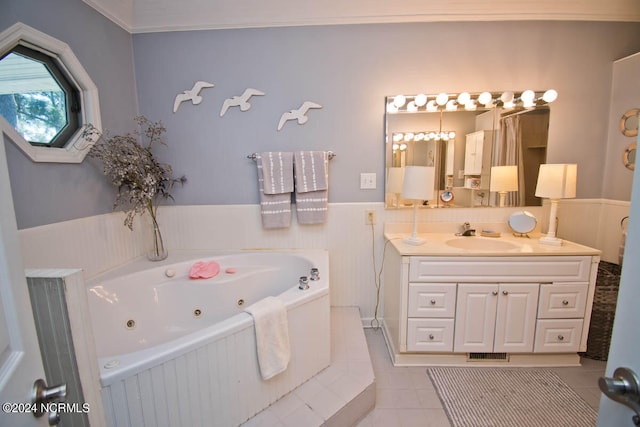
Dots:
pixel 156 250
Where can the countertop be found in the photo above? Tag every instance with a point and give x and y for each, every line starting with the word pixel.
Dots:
pixel 447 244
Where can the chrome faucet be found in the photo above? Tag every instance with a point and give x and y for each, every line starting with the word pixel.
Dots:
pixel 303 283
pixel 466 230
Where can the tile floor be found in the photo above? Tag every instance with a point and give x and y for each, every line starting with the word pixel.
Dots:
pixel 405 396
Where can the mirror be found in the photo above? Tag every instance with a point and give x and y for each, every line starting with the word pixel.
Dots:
pixel 464 142
pixel 629 123
pixel 629 156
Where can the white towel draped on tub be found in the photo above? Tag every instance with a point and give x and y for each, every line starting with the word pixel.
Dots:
pixel 312 186
pixel 272 336
pixel 275 184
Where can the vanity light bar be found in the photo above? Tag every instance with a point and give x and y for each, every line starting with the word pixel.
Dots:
pixel 437 135
pixel 452 101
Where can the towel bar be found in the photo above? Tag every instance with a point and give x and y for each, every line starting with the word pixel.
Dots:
pixel 254 156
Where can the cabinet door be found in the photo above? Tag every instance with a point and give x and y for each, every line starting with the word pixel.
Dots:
pixel 475 317
pixel 516 317
pixel 473 153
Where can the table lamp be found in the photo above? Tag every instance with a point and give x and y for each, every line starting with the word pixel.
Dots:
pixel 418 185
pixel 503 179
pixel 555 182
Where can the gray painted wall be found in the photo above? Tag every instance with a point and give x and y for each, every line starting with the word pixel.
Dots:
pixel 348 69
pixel 45 193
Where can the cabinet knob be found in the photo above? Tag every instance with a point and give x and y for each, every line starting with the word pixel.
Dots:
pixel 505 292
pixel 431 336
pixel 495 292
pixel 565 302
pixel 433 302
pixel 560 337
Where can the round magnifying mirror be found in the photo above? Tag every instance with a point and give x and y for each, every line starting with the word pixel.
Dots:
pixel 522 222
pixel 629 156
pixel 446 197
pixel 629 122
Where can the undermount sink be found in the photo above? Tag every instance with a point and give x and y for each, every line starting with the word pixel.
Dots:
pixel 481 244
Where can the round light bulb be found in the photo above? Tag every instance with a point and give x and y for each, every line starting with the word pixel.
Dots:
pixel 485 98
pixel 471 105
pixel 442 98
pixel 419 137
pixel 403 147
pixel 451 105
pixel 550 95
pixel 391 108
pixel 452 135
pixel 412 107
pixel 431 106
pixel 463 98
pixel 420 100
pixel 399 100
pixel 528 96
pixel 395 147
pixel 506 97
pixel 397 137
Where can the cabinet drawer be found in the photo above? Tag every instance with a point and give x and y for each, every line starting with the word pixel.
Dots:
pixel 558 336
pixel 500 269
pixel 562 301
pixel 432 299
pixel 430 335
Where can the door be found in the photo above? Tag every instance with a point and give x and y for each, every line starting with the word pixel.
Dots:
pixel 475 317
pixel 20 361
pixel 516 317
pixel 625 340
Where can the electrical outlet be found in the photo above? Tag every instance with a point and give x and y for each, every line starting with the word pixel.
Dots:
pixel 370 218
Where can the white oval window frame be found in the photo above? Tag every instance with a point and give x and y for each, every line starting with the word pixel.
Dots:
pixel 77 147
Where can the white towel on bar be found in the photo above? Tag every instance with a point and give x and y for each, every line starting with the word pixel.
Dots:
pixel 272 336
pixel 275 209
pixel 277 169
pixel 312 186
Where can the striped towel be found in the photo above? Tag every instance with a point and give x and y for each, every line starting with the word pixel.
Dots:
pixel 274 208
pixel 312 186
pixel 277 169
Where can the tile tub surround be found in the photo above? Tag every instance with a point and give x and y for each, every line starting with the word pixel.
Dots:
pixel 340 395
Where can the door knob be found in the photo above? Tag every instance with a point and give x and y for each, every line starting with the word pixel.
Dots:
pixel 623 388
pixel 42 396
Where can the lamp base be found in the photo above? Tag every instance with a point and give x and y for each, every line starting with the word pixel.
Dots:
pixel 551 240
pixel 414 240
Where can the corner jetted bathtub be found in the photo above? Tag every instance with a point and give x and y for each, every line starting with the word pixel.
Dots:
pixel 175 351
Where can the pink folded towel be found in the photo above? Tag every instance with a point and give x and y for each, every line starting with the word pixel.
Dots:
pixel 204 270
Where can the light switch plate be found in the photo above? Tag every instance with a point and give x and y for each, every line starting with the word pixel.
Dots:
pixel 367 181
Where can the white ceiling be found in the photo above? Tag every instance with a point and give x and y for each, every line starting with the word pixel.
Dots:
pixel 139 16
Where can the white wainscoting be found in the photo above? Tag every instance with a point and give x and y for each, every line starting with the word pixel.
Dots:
pixel 101 242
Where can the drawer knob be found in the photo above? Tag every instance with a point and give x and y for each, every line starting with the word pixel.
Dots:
pixel 560 337
pixel 505 292
pixel 431 336
pixel 495 292
pixel 433 302
pixel 565 302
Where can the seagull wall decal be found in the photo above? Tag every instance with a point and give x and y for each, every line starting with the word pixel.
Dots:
pixel 300 114
pixel 192 95
pixel 241 101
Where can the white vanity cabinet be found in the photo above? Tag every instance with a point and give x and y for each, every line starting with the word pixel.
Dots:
pixel 496 317
pixel 519 310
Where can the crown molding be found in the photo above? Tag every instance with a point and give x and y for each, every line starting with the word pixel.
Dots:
pixel 145 16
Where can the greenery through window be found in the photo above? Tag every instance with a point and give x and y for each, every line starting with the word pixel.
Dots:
pixel 37 98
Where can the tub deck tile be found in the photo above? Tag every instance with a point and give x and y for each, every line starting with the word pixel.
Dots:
pixel 340 395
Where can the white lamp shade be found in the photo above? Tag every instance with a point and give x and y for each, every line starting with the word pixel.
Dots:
pixel 557 181
pixel 419 182
pixel 504 178
pixel 395 176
